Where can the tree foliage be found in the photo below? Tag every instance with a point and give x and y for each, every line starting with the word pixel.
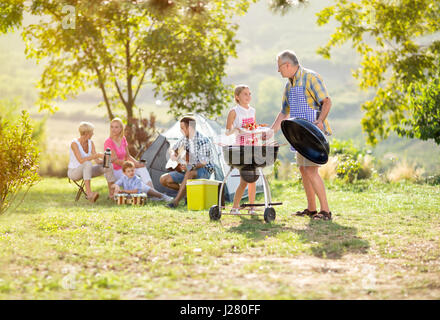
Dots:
pixel 423 121
pixel 179 47
pixel 11 14
pixel 283 6
pixel 18 159
pixel 400 50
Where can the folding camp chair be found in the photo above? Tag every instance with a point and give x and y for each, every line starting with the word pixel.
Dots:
pixel 80 189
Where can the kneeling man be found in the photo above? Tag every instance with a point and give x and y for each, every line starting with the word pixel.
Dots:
pixel 199 164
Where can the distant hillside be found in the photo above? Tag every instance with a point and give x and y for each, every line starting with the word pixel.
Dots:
pixel 262 35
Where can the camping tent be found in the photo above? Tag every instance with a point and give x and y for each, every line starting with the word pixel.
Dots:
pixel 156 156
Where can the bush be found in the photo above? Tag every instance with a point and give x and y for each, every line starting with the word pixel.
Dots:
pixel 433 180
pixel 54 165
pixel 346 162
pixel 366 168
pixel 10 110
pixel 341 147
pixel 348 168
pixel 329 170
pixel 18 159
pixel 140 134
pixel 352 163
pixel 404 171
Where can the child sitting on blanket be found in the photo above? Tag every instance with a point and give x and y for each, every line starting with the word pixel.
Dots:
pixel 130 183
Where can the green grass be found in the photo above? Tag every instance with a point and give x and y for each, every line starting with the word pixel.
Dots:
pixel 382 244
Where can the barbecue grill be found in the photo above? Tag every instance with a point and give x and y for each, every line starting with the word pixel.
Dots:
pixel 250 161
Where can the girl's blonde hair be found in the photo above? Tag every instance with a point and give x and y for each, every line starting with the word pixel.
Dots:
pixel 238 90
pixel 85 127
pixel 118 120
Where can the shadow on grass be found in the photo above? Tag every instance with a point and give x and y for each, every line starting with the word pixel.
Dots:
pixel 327 239
pixel 256 229
pixel 38 201
pixel 331 240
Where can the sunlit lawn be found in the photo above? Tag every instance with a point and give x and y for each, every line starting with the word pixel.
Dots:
pixel 384 243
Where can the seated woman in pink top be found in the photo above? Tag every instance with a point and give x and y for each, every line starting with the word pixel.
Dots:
pixel 119 147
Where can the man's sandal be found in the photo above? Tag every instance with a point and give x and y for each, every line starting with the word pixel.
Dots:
pixel 322 215
pixel 305 212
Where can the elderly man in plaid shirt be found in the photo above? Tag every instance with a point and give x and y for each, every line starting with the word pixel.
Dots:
pixel 305 96
pixel 200 164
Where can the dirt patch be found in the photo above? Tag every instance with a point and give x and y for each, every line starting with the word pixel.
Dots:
pixel 308 277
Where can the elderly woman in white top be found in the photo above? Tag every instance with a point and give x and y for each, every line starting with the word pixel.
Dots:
pixel 80 164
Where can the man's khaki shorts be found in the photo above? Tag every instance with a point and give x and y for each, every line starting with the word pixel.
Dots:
pixel 303 162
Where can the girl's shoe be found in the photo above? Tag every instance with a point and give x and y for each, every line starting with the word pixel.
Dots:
pixel 252 210
pixel 235 211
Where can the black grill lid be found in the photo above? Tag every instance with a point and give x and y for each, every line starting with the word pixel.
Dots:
pixel 307 139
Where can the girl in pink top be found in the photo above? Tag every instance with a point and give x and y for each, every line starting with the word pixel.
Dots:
pixel 119 148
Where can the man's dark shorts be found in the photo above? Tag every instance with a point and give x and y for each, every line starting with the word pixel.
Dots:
pixel 202 173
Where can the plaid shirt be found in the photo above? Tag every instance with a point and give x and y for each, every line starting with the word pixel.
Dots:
pixel 199 149
pixel 315 91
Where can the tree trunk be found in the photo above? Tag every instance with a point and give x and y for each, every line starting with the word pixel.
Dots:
pixel 129 109
pixel 107 105
pixel 107 102
pixel 130 101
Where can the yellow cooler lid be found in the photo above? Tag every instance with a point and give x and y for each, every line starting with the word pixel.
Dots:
pixel 194 182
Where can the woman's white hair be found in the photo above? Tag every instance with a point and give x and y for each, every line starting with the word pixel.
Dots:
pixel 85 127
pixel 288 56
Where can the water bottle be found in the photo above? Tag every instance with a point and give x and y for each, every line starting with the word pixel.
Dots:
pixel 107 158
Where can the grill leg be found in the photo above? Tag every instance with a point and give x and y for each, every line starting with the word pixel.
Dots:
pixel 266 189
pixel 221 190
